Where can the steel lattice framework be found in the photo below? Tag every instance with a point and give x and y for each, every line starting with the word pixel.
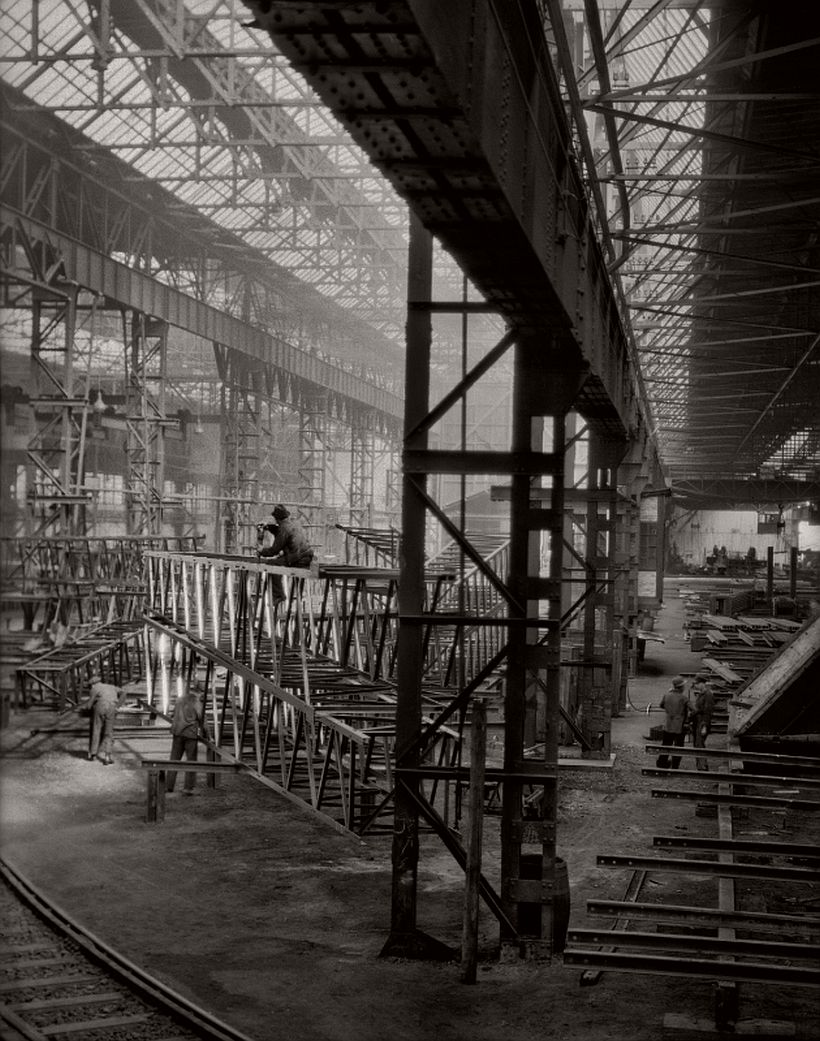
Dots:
pixel 699 128
pixel 652 257
pixel 685 115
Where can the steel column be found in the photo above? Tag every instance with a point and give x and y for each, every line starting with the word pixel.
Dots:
pixel 403 933
pixel 146 345
pixel 542 397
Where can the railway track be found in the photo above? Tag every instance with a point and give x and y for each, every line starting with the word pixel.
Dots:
pixel 59 981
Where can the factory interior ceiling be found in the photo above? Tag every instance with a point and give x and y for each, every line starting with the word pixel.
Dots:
pixel 696 132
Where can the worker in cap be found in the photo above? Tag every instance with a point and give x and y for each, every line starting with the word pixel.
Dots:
pixel 702 712
pixel 676 706
pixel 102 705
pixel 290 547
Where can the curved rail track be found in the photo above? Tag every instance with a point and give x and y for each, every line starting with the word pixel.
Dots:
pixel 59 981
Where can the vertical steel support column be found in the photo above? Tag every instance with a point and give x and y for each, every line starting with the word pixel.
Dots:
pixel 362 468
pixel 145 366
pixel 393 480
pixel 528 886
pixel 599 695
pixel 313 448
pixel 631 539
pixel 595 709
pixel 660 560
pixel 404 938
pixel 55 452
pixel 240 417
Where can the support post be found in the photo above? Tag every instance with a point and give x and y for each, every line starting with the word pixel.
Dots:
pixel 156 796
pixel 478 752
pixel 404 939
pixel 793 573
pixel 541 400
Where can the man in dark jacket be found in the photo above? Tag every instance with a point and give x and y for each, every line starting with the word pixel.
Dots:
pixel 290 546
pixel 186 729
pixel 702 714
pixel 676 706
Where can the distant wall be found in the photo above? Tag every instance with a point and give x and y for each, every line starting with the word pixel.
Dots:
pixel 695 534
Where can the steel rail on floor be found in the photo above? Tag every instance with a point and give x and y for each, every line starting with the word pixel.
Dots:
pixel 726 947
pixel 772 802
pixel 709 918
pixel 189 1014
pixel 803 763
pixel 750 847
pixel 752 780
pixel 666 965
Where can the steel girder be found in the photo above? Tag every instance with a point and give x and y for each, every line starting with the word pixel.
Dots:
pixel 169 266
pixel 120 284
pixel 482 156
pixel 755 493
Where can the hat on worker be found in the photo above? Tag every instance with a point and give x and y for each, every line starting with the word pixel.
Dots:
pixel 280 512
pixel 678 682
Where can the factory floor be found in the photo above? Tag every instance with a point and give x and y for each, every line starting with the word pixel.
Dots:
pixel 274 922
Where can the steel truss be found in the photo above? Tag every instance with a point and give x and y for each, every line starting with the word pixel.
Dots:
pixel 300 691
pixel 81 581
pixel 61 676
pixel 55 493
pixel 683 133
pixel 45 270
pixel 194 104
pixel 179 267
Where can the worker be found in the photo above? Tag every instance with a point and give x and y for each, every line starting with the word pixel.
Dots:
pixel 676 705
pixel 702 712
pixel 290 546
pixel 187 726
pixel 102 705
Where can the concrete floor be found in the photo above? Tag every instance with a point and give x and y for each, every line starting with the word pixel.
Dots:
pixel 251 907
